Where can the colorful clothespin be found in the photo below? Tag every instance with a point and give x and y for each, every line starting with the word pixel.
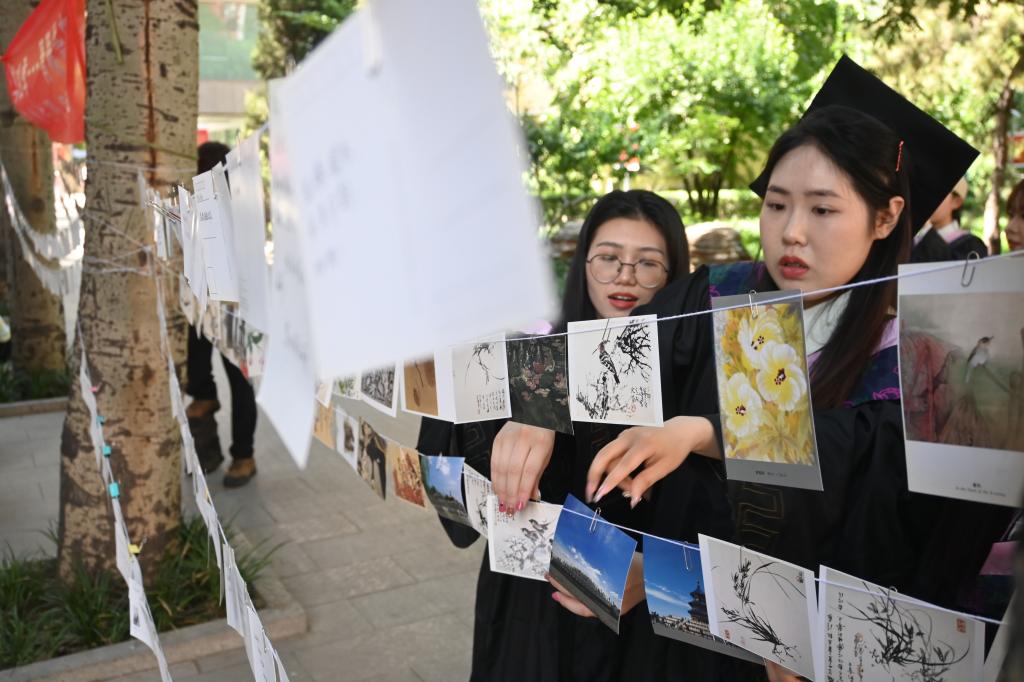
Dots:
pixel 115 489
pixel 101 419
pixel 106 451
pixel 134 549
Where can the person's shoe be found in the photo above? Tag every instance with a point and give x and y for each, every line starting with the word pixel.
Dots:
pixel 207 442
pixel 198 409
pixel 240 472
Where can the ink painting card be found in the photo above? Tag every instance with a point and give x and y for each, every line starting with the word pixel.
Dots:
pixel 378 389
pixel 480 380
pixel 887 637
pixel 760 603
pixel 614 371
pixel 539 381
pixel 348 387
pixel 520 544
pixel 372 462
pixel 346 437
pixel 764 390
pixel 478 488
pixel 961 354
pixel 591 559
pixel 442 481
pixel 255 354
pixel 404 476
pixel 676 598
pixel 419 388
pixel 323 426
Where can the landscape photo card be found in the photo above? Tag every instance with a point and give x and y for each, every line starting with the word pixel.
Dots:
pixel 591 559
pixel 480 380
pixel 760 603
pixel 478 489
pixel 378 388
pixel 676 599
pixel 614 371
pixel 764 392
pixel 404 476
pixel 887 637
pixel 372 462
pixel 520 544
pixel 961 346
pixel 442 481
pixel 539 381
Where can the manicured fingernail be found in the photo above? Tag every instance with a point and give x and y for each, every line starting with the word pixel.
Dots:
pixel 626 494
pixel 634 502
pixel 554 595
pixel 600 493
pixel 501 507
pixel 520 505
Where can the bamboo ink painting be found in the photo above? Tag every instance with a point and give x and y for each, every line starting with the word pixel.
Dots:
pixel 961 359
pixel 764 390
pixel 480 381
pixel 539 382
pixel 614 374
pixel 377 388
pixel 591 559
pixel 760 603
pixel 867 633
pixel 520 544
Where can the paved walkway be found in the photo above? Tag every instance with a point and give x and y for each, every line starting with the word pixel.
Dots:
pixel 387 596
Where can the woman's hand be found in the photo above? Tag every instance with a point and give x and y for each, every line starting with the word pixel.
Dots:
pixel 660 450
pixel 776 673
pixel 519 456
pixel 633 595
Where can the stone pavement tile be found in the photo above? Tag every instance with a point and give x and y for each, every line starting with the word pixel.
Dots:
pixel 345 582
pixel 46 451
pixel 12 430
pixel 321 527
pixel 339 620
pixel 401 605
pixel 183 669
pixel 435 561
pixel 284 509
pixel 395 539
pixel 240 672
pixel 399 675
pixel 457 591
pixel 368 512
pixel 44 426
pixel 23 488
pixel 15 457
pixel 288 561
pixel 26 544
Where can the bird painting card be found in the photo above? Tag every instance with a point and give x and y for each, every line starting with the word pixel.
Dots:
pixel 591 560
pixel 520 544
pixel 372 462
pixel 961 365
pixel 764 393
pixel 760 603
pixel 480 380
pixel 614 372
pixel 885 636
pixel 346 439
pixel 255 353
pixel 442 481
pixel 538 377
pixel 676 598
pixel 419 387
pixel 323 426
pixel 378 388
pixel 478 488
pixel 404 476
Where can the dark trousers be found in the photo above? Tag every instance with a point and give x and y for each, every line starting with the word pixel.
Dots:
pixel 201 386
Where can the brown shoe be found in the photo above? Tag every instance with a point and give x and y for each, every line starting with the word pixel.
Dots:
pixel 240 472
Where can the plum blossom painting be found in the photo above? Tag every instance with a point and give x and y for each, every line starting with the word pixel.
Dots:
pixel 764 390
pixel 539 382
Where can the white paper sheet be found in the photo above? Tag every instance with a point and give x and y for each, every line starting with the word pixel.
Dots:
pixel 520 544
pixel 214 231
pixel 249 223
pixel 289 379
pixel 480 380
pixel 406 194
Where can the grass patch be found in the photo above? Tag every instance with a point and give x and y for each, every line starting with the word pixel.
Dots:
pixel 41 617
pixel 16 385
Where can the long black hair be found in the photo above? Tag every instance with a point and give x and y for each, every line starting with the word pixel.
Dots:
pixel 637 204
pixel 870 155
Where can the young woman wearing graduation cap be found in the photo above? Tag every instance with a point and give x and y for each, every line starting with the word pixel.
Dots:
pixel 843 191
pixel 632 244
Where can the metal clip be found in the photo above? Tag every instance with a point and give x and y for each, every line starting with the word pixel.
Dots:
pixel 752 305
pixel 593 520
pixel 963 276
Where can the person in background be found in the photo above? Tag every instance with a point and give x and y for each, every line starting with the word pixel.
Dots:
pixel 203 389
pixel 1015 217
pixel 945 222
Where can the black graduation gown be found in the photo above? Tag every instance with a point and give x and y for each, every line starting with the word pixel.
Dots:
pixel 966 244
pixel 932 248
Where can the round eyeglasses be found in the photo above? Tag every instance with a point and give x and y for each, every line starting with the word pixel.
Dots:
pixel 605 268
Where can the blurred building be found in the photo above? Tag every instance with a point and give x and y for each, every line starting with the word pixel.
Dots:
pixel 227 37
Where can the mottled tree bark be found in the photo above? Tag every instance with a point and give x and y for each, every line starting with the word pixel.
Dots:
pixel 37 321
pixel 1001 153
pixel 142 90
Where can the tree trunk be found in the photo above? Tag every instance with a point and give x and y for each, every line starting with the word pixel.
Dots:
pixel 37 321
pixel 140 110
pixel 1000 151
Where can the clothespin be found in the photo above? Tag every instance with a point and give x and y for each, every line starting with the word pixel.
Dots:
pixel 115 490
pixel 106 451
pixel 101 419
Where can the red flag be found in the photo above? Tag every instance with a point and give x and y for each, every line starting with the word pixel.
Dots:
pixel 45 65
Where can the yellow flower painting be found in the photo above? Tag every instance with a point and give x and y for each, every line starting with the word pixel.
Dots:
pixel 763 384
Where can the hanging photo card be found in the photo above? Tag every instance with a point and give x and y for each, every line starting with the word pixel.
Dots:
pixel 419 387
pixel 478 489
pixel 214 232
pixel 614 374
pixel 249 226
pixel 406 139
pixel 405 480
pixel 347 436
pixel 539 382
pixel 442 481
pixel 885 636
pixel 348 387
pixel 764 390
pixel 961 368
pixel 372 462
pixel 591 560
pixel 323 426
pixel 520 544
pixel 253 358
pixel 378 389
pixel 480 380
pixel 760 603
pixel 676 599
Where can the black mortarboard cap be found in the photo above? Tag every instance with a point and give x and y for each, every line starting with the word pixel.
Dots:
pixel 939 157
